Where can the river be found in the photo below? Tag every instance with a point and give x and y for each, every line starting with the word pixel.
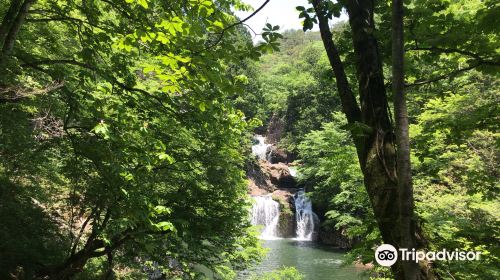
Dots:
pixel 313 260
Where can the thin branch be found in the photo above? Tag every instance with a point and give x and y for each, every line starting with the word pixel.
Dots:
pixel 476 56
pixel 221 34
pixel 16 93
pixel 68 19
pixel 249 27
pixel 444 76
pixel 444 50
pixel 114 80
pixel 82 230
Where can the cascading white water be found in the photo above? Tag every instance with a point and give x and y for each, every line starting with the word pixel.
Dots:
pixel 266 212
pixel 306 219
pixel 260 148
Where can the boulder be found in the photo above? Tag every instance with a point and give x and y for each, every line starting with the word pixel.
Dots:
pixel 278 174
pixel 276 155
pixel 259 181
pixel 335 237
pixel 254 190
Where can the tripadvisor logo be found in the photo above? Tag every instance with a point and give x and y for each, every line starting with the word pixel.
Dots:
pixel 387 255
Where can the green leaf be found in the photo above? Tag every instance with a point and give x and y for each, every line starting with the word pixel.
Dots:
pixel 101 129
pixel 165 226
pixel 160 209
pixel 202 106
pixel 143 3
pixel 168 158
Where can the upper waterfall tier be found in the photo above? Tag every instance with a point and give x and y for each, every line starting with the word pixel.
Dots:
pixel 260 149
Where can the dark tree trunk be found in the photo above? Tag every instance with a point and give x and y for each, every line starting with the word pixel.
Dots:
pixel 376 148
pixel 406 205
pixel 74 264
pixel 13 26
pixel 8 19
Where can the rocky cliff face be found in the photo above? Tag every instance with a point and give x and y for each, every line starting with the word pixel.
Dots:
pixel 278 174
pixel 277 155
pixel 275 129
pixel 287 222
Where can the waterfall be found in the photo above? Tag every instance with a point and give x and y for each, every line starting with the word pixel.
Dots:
pixel 307 220
pixel 266 212
pixel 260 148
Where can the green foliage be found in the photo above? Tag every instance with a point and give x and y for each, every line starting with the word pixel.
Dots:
pixel 453 112
pixel 456 157
pixel 120 144
pixel 124 127
pixel 285 273
pixel 330 171
pixel 295 85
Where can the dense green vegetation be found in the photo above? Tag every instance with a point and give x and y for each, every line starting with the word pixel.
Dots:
pixel 121 150
pixel 453 129
pixel 453 98
pixel 125 127
pixel 285 273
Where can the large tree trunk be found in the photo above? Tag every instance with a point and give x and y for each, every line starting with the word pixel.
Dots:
pixel 376 148
pixel 406 205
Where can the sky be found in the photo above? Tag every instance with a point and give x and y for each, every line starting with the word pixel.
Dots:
pixel 276 12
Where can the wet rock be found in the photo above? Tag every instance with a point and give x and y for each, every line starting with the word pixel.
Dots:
pixel 287 221
pixel 335 238
pixel 287 225
pixel 278 174
pixel 276 155
pixel 259 181
pixel 254 190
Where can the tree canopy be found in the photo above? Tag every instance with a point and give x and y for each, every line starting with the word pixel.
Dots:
pixel 125 130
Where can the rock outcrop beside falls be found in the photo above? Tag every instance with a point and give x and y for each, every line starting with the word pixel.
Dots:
pixel 279 206
pixel 287 221
pixel 266 177
pixel 277 155
pixel 278 174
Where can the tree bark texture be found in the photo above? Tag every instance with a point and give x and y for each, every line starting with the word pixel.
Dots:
pixel 376 148
pixel 8 19
pixel 11 25
pixel 406 205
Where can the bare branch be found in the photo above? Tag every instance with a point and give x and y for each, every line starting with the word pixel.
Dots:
pixel 16 93
pixel 221 34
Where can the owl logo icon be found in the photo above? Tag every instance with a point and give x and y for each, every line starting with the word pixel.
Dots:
pixel 386 255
